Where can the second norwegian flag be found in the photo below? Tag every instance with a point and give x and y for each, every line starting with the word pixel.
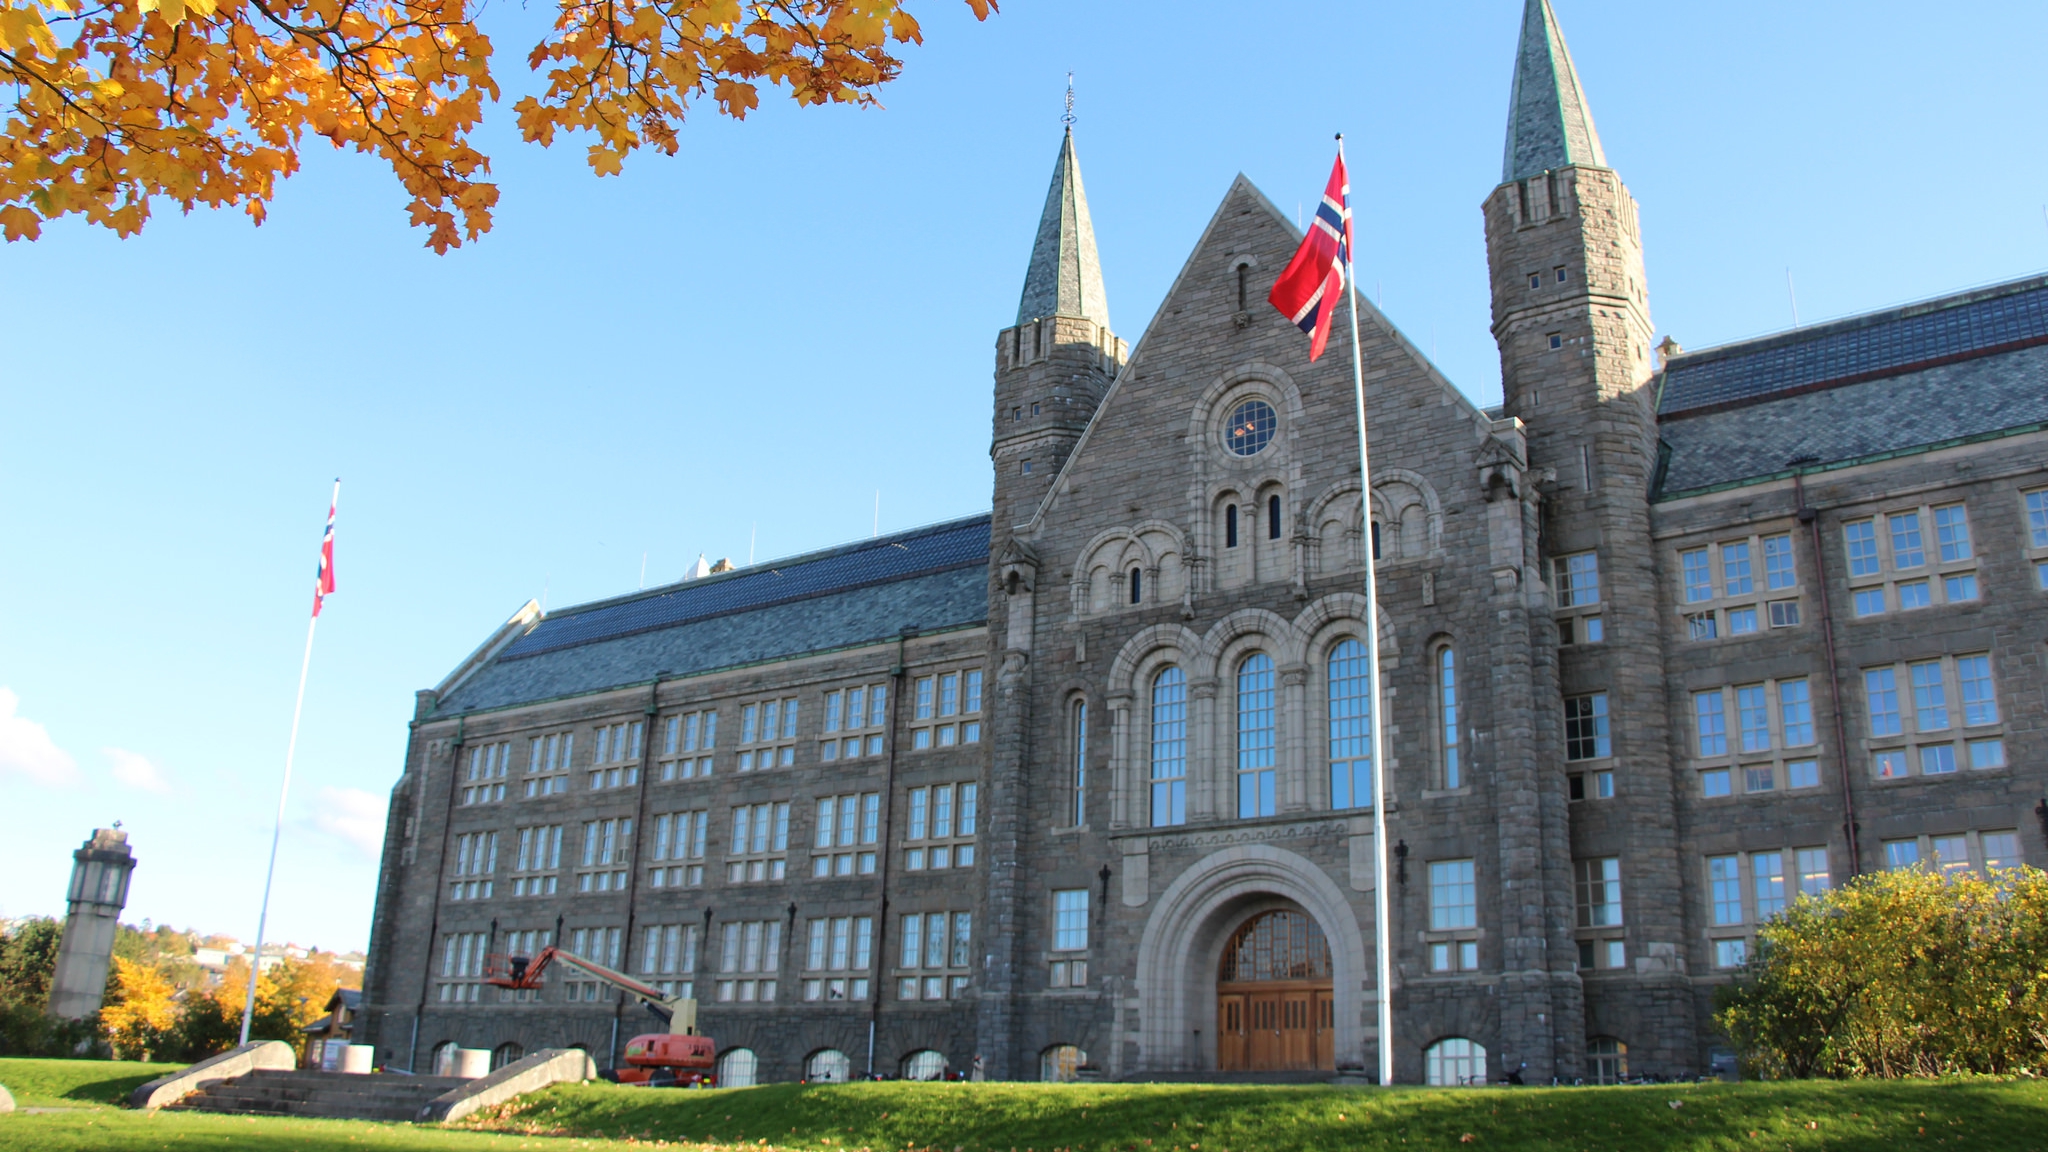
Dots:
pixel 1307 291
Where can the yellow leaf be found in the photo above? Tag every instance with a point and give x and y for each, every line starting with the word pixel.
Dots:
pixel 604 161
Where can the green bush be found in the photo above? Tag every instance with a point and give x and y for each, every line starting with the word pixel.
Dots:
pixel 1901 973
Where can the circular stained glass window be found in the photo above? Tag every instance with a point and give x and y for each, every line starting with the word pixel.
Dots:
pixel 1251 428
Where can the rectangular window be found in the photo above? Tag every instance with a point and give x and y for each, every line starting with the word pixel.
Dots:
pixel 1813 871
pixel 1952 533
pixel 1795 712
pixel 1453 895
pixel 1724 889
pixel 1930 697
pixel 1753 718
pixel 1699 580
pixel 1736 578
pixel 2002 849
pixel 920 805
pixel 1703 625
pixel 1759 778
pixel 1987 753
pixel 1907 551
pixel 1585 727
pixel 1889 765
pixel 1937 759
pixel 2037 518
pixel 1767 877
pixel 1802 774
pixel 1742 621
pixel 1914 594
pixel 1070 920
pixel 1578 580
pixel 1731 953
pixel 1861 538
pixel 1959 588
pixel 1784 613
pixel 949 694
pixel 1716 782
pixel 924 698
pixel 1710 720
pixel 1901 853
pixel 1778 570
pixel 1599 883
pixel 1881 690
pixel 1869 601
pixel 1980 703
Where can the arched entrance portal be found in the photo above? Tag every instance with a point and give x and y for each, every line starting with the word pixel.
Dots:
pixel 1274 1006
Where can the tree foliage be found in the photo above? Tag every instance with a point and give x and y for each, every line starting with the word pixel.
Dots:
pixel 141 1015
pixel 118 102
pixel 1901 973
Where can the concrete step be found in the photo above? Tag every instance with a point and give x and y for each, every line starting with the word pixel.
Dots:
pixel 379 1096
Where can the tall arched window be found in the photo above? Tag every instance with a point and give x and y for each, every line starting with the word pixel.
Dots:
pixel 1455 1063
pixel 1169 747
pixel 1273 517
pixel 1350 728
pixel 1255 736
pixel 1452 770
pixel 1078 779
pixel 1137 585
pixel 1230 526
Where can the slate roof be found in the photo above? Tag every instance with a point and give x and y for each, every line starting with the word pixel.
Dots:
pixel 1549 124
pixel 1963 367
pixel 1065 275
pixel 930 579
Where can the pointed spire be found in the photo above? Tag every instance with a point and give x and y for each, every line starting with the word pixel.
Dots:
pixel 1549 125
pixel 1065 278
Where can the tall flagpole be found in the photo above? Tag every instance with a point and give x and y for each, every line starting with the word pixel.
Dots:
pixel 277 828
pixel 1382 902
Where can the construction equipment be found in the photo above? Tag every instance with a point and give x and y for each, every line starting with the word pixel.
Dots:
pixel 677 1058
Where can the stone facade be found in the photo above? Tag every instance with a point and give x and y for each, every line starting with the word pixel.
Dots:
pixel 1633 649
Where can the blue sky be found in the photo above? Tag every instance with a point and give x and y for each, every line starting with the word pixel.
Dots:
pixel 740 346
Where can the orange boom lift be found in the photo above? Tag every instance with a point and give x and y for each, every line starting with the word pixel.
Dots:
pixel 678 1058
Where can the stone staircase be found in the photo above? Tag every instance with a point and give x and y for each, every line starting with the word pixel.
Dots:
pixel 378 1096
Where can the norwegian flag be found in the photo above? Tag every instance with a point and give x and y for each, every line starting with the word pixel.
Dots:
pixel 1307 291
pixel 323 577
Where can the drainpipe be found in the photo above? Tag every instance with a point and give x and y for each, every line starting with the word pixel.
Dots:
pixel 434 921
pixel 1810 517
pixel 882 850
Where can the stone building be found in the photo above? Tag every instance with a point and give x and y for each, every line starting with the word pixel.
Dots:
pixel 1084 787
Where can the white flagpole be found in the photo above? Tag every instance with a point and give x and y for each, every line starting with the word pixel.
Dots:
pixel 284 790
pixel 1382 903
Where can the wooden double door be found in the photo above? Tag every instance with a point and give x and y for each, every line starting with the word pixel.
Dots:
pixel 1275 1026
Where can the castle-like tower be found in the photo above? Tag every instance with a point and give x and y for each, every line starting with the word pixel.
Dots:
pixel 1572 317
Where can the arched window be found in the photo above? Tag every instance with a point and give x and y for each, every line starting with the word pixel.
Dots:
pixel 924 1065
pixel 1273 517
pixel 828 1066
pixel 1255 736
pixel 1606 1060
pixel 1078 779
pixel 1061 1064
pixel 1169 747
pixel 1350 728
pixel 508 1052
pixel 1455 1063
pixel 1230 526
pixel 1375 539
pixel 442 1060
pixel 1278 945
pixel 737 1068
pixel 1451 769
pixel 1137 585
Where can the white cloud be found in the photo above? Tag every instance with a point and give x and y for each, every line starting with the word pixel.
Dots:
pixel 353 815
pixel 26 747
pixel 137 771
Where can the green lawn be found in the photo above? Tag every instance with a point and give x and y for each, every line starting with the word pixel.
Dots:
pixel 1859 1117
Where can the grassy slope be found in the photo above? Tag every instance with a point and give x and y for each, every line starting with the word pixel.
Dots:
pixel 1857 1117
pixel 1201 1118
pixel 56 1083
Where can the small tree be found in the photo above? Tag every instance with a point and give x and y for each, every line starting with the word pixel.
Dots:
pixel 141 1012
pixel 1902 973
